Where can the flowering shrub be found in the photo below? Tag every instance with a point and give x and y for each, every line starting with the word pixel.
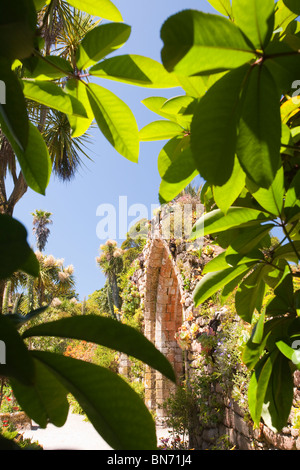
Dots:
pixel 8 401
pixel 187 333
pixel 173 443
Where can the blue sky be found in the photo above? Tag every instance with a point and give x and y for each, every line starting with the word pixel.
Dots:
pixel 109 176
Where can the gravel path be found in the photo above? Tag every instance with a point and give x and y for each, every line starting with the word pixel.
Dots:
pixel 76 434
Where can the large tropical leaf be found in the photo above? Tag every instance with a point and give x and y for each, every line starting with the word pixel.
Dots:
pixel 45 400
pixel 214 128
pixel 99 42
pixel 51 95
pixel 135 70
pixel 109 333
pixel 196 42
pixel 256 19
pixel 112 406
pixel 214 281
pixel 102 8
pixel 115 121
pixel 259 138
pixel 215 221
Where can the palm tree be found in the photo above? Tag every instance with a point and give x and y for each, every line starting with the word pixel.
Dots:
pixel 111 263
pixel 62 27
pixel 40 221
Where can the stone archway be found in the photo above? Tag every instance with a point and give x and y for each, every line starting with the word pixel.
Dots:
pixel 163 316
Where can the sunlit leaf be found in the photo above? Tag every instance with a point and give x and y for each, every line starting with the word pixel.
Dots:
pixel 135 70
pixel 256 19
pixel 53 96
pixel 213 282
pixel 160 130
pixel 215 221
pixel 196 42
pixel 99 42
pixel 226 195
pixel 102 8
pixel 115 120
pixel 79 124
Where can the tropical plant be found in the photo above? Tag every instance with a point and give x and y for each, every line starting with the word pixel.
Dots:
pixel 237 125
pixel 40 221
pixel 111 263
pixel 42 85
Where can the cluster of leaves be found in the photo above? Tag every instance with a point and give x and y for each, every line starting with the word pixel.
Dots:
pixel 238 126
pixel 41 380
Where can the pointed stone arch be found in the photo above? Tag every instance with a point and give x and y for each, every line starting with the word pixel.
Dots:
pixel 163 316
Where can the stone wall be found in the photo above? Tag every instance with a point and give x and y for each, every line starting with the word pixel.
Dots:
pixel 168 273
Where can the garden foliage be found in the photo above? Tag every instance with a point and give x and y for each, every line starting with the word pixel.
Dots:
pixel 236 123
pixel 41 380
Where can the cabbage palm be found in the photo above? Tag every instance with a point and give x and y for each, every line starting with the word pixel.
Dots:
pixel 111 264
pixel 40 221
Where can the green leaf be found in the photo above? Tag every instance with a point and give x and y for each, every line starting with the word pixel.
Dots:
pixel 135 70
pixel 287 252
pixel 117 413
pixel 178 175
pixel 293 5
pixel 103 8
pixel 13 113
pixel 256 19
pixel 196 42
pixel 14 249
pixel 79 124
pixel 18 363
pixel 259 138
pixel 215 221
pixel 17 28
pixel 253 352
pixel 283 16
pixel 258 386
pixel 46 68
pixel 99 42
pixel 226 194
pixel 51 95
pixel 218 263
pixel 222 6
pixel 214 128
pixel 108 333
pixel 45 401
pixel 35 161
pixel 250 238
pixel 283 302
pixel 213 282
pixel 288 109
pixel 115 121
pixel 284 65
pixel 160 130
pixel 279 395
pixel 31 265
pixel 271 199
pixel 249 295
pixel 293 192
pixel 170 152
pixel 258 330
